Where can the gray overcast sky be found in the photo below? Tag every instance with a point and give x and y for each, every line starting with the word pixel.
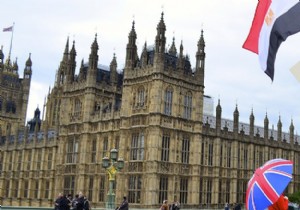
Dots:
pixel 233 74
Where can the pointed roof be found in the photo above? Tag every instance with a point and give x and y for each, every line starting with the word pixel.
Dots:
pixel 29 62
pixel 173 50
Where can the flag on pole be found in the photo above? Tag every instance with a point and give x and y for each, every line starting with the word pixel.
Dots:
pixel 8 29
pixel 273 22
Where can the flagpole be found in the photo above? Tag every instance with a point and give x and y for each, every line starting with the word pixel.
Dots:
pixel 12 35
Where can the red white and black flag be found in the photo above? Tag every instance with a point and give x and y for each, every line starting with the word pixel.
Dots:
pixel 273 22
pixel 8 29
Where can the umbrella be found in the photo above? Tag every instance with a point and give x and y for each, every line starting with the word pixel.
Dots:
pixel 267 183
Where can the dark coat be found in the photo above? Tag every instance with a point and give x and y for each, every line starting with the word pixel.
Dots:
pixel 124 205
pixel 80 203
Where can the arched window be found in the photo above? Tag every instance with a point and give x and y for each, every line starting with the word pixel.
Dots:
pixel 77 107
pixel 168 101
pixel 187 106
pixel 141 96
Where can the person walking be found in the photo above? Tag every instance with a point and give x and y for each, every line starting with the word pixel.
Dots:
pixel 124 205
pixel 165 205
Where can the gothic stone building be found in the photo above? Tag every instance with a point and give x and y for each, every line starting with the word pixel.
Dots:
pixel 152 113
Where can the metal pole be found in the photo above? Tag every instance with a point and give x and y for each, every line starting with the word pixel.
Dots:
pixel 12 35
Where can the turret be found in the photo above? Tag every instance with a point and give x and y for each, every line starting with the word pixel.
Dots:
pixel 144 56
pixel 160 41
pixel 279 130
pixel 200 59
pixel 252 118
pixel 81 75
pixel 266 128
pixel 28 68
pixel 61 73
pixel 93 62
pixel 180 61
pixel 292 133
pixel 113 70
pixel 131 49
pixel 71 65
pixel 236 120
pixel 15 68
pixel 218 117
pixel 173 50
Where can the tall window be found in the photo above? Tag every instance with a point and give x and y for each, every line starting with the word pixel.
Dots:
pixel 90 190
pixel 228 158
pixel 135 187
pixel 29 157
pixel 209 191
pixel 210 153
pixel 72 151
pixel 47 189
pixel 94 151
pixel 69 185
pixel 201 190
pixel 15 188
pixel 39 161
pixel 101 189
pixel 6 188
pixel 26 189
pixel 183 190
pixel 105 147
pixel 77 107
pixel 202 153
pixel 137 147
pixel 227 191
pixel 19 160
pixel 10 164
pixel 221 155
pixel 36 189
pixel 49 160
pixel 185 150
pixel 168 101
pixel 141 97
pixel 165 148
pixel 163 189
pixel 246 157
pixel 187 106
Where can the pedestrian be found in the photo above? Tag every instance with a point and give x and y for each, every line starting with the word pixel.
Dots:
pixel 57 201
pixel 80 201
pixel 176 205
pixel 74 202
pixel 164 206
pixel 226 206
pixel 124 205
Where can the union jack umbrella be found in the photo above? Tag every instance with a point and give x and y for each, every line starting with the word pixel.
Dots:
pixel 268 183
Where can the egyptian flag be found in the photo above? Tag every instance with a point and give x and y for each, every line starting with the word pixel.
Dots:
pixel 273 22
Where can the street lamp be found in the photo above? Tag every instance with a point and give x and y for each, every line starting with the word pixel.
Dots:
pixel 112 165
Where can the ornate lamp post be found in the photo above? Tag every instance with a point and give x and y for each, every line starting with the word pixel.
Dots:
pixel 112 165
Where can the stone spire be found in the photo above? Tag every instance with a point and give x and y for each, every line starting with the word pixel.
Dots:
pixel 113 70
pixel 292 128
pixel 279 130
pixel 173 50
pixel 252 118
pixel 236 120
pixel 160 41
pixel 218 117
pixel 131 49
pixel 266 127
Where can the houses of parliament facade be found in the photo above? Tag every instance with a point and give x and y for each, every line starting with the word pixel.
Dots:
pixel 151 112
